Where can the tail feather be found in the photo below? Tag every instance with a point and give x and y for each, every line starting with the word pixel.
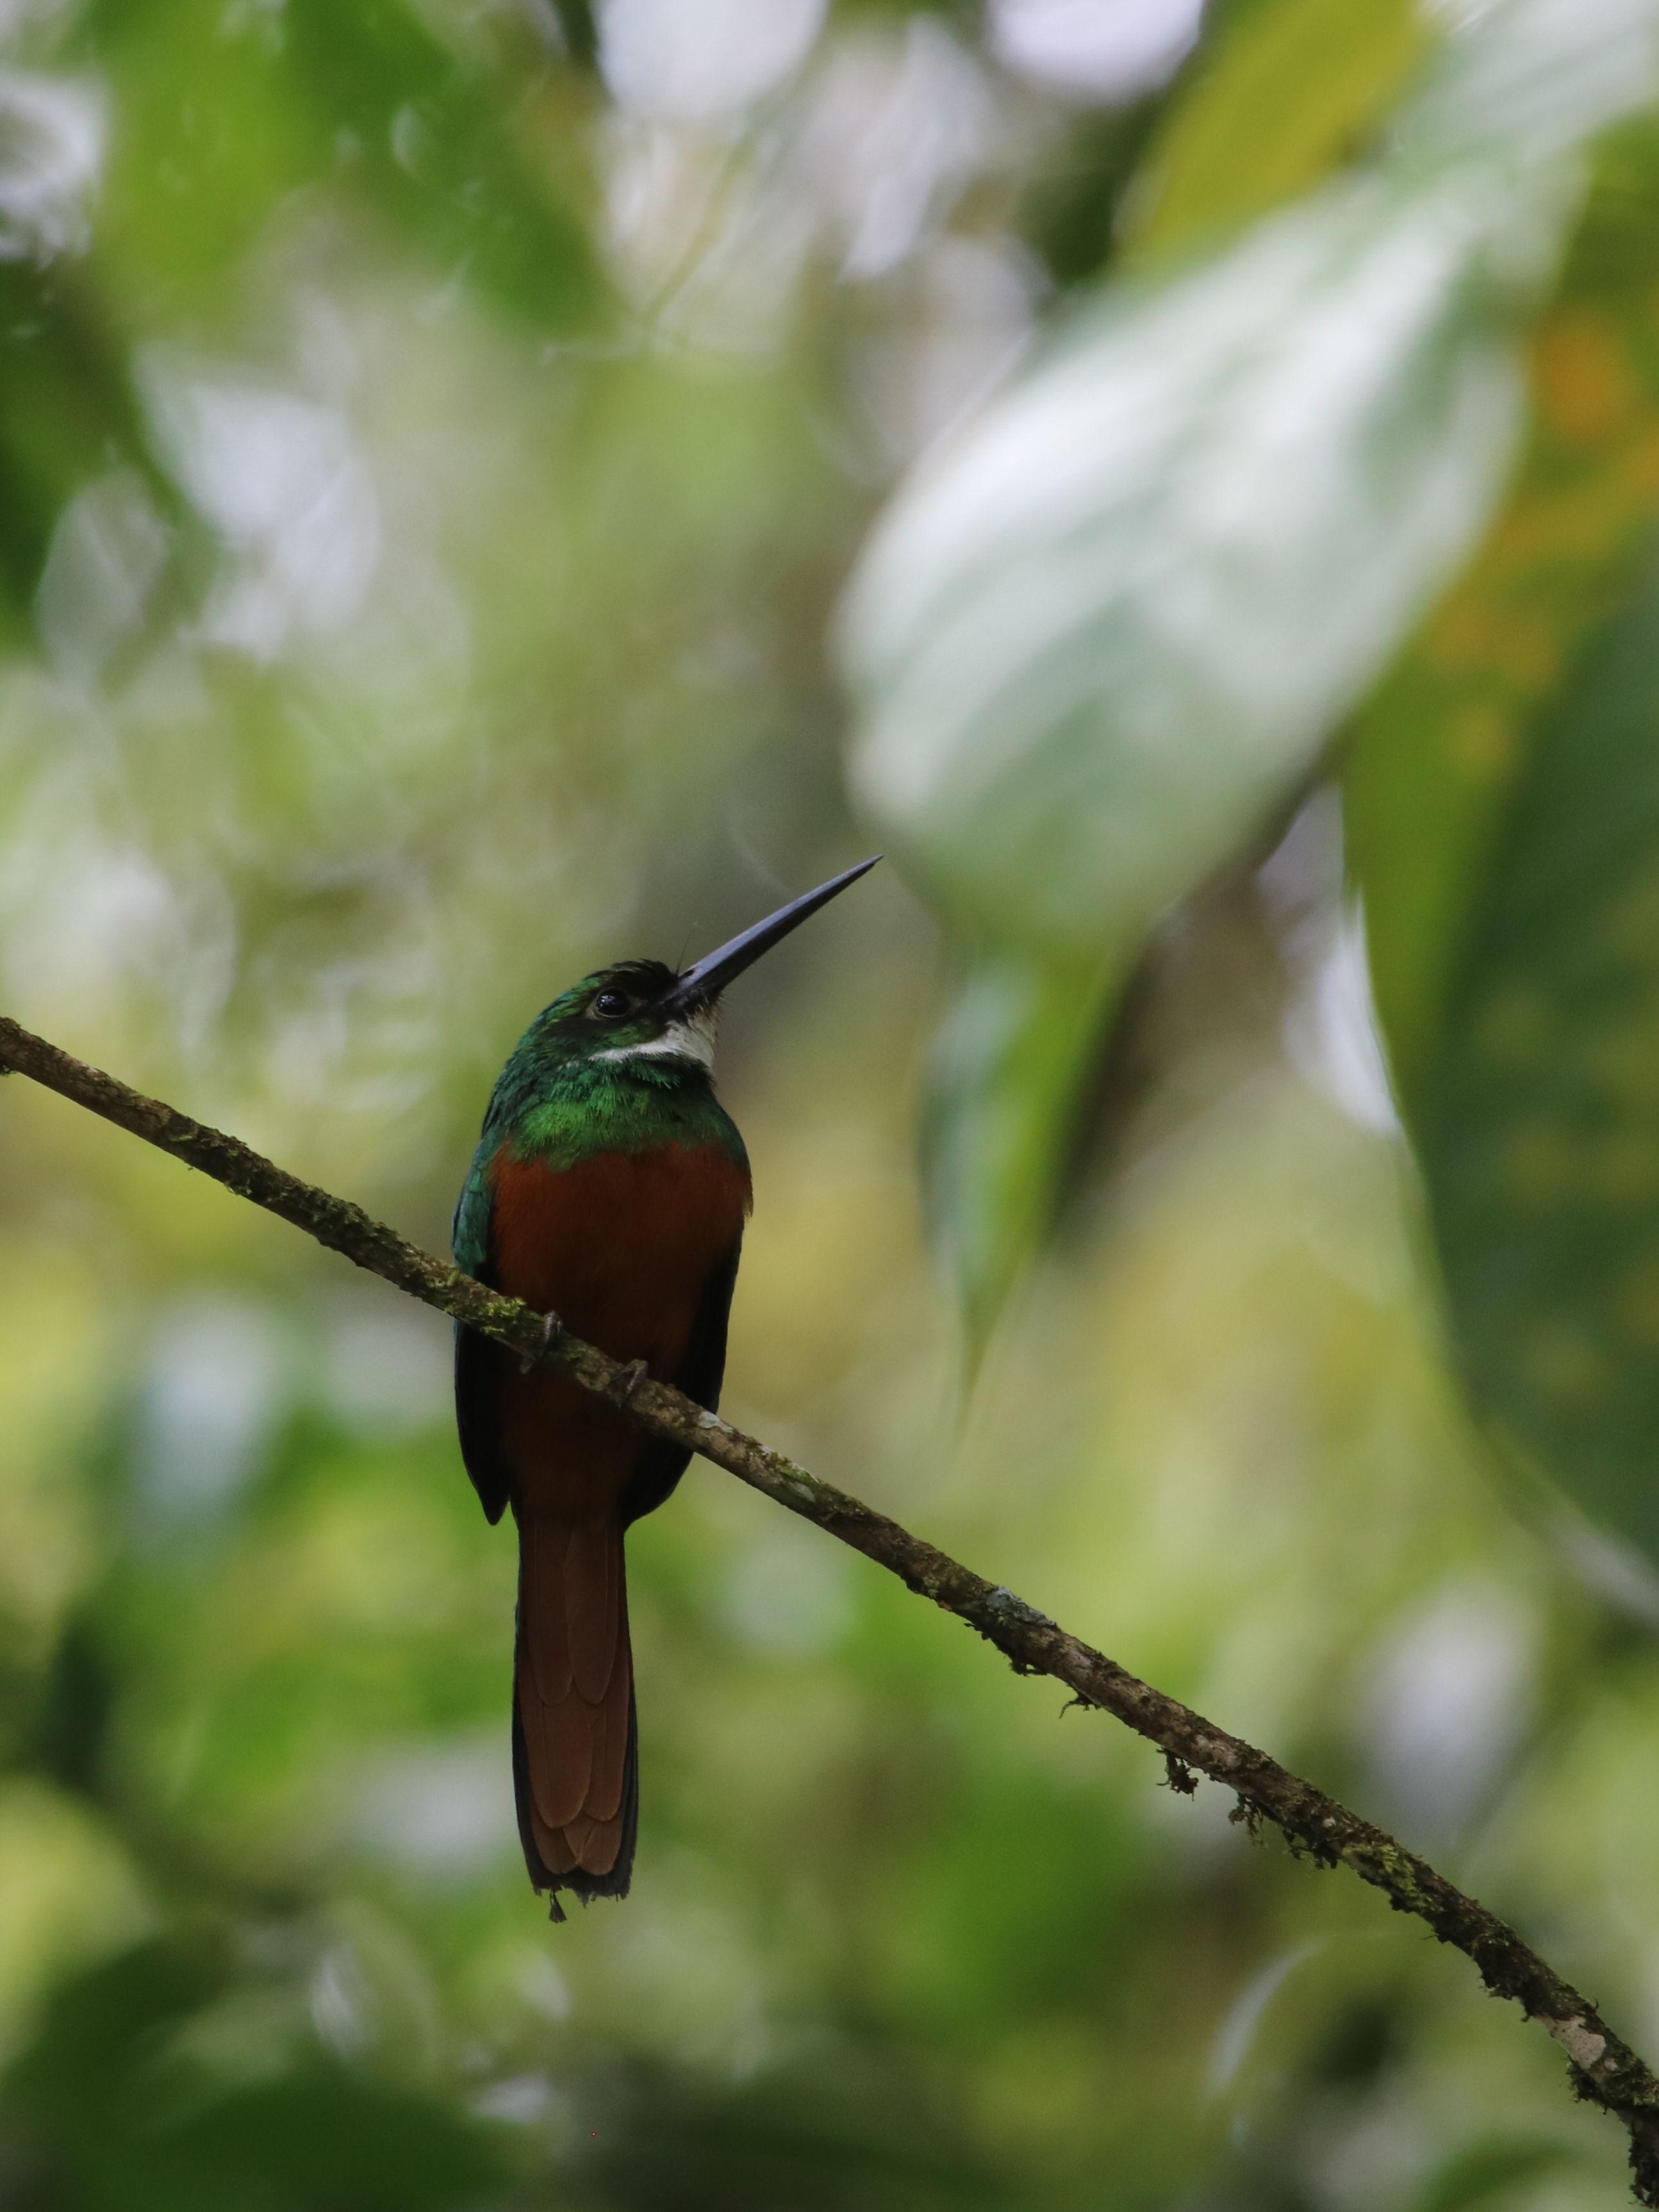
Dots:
pixel 543 1627
pixel 575 1759
pixel 561 1742
pixel 594 1601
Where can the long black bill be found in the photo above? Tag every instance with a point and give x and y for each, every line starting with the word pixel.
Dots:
pixel 700 986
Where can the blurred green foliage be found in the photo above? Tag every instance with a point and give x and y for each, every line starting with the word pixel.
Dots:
pixel 1329 79
pixel 434 442
pixel 1094 649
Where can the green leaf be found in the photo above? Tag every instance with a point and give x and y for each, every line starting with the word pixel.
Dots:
pixel 1011 1055
pixel 1497 797
pixel 1538 1115
pixel 1326 71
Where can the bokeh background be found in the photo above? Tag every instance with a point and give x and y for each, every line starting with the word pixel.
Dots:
pixel 489 487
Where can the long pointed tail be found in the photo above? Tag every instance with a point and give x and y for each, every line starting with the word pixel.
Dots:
pixel 576 1758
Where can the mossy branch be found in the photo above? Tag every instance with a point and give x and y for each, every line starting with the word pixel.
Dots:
pixel 1604 2069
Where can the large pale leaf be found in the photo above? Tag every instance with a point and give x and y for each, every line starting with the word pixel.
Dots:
pixel 1100 633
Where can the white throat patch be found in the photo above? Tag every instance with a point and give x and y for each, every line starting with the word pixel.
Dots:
pixel 692 1040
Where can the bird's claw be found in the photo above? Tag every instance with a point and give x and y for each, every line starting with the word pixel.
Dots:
pixel 629 1380
pixel 552 1330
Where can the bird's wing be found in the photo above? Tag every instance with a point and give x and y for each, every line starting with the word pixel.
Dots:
pixel 476 1359
pixel 699 1375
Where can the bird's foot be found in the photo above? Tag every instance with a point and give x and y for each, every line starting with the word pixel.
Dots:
pixel 552 1329
pixel 629 1380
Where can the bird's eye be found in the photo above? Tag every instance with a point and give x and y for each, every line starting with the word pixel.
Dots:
pixel 610 1005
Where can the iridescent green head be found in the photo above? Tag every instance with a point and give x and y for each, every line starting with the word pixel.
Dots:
pixel 633 1010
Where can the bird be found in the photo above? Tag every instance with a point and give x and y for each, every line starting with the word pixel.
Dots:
pixel 610 1189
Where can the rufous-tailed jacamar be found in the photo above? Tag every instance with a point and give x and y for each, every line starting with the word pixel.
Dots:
pixel 610 1187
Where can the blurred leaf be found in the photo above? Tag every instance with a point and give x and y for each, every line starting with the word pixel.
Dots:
pixel 1091 642
pixel 1326 71
pixel 1014 1049
pixel 1537 1117
pixel 1527 81
pixel 578 30
pixel 67 413
pixel 1498 795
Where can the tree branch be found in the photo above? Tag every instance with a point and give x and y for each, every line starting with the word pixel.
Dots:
pixel 1604 2069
